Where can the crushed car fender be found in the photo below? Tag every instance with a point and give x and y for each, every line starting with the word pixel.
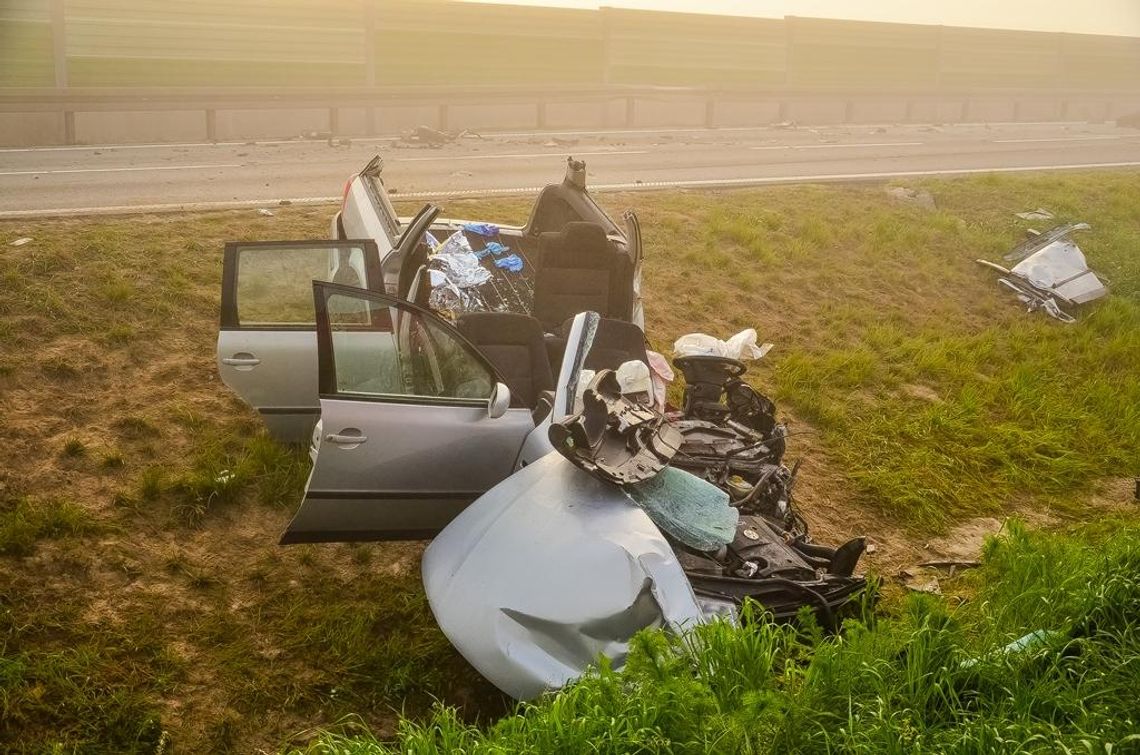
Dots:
pixel 549 570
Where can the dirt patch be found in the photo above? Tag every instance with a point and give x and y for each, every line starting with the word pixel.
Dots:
pixel 922 393
pixel 964 542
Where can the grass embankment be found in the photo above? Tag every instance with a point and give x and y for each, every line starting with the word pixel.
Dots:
pixel 142 597
pixel 930 678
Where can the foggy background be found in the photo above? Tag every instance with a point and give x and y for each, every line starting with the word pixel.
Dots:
pixel 120 71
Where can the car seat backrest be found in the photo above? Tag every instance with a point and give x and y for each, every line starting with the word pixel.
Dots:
pixel 514 345
pixel 615 343
pixel 579 270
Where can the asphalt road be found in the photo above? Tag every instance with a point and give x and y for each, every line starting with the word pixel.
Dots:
pixel 78 180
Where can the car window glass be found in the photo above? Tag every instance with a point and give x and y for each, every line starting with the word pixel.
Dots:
pixel 381 350
pixel 275 284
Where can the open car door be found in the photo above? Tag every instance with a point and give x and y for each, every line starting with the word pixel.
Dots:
pixel 415 423
pixel 267 341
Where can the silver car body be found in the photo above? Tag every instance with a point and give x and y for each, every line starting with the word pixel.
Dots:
pixel 547 571
pixel 271 363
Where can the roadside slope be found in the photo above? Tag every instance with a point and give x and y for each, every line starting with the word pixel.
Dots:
pixel 143 598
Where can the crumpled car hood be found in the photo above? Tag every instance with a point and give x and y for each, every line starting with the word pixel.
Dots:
pixel 596 571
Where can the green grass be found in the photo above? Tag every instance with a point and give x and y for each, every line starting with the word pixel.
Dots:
pixel 928 677
pixel 932 389
pixel 24 522
pixel 144 599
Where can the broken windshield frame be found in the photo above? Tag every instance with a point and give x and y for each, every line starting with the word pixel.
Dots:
pixel 379 194
pixel 589 329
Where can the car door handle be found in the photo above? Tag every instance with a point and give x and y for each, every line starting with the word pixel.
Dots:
pixel 346 440
pixel 246 361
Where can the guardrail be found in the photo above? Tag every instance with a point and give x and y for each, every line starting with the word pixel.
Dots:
pixel 622 105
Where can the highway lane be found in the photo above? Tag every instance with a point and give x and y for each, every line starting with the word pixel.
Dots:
pixel 76 180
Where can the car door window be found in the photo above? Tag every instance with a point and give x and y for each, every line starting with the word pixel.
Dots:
pixel 388 350
pixel 268 285
pixel 267 342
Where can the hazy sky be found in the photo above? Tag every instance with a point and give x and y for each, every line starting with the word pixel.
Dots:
pixel 1090 17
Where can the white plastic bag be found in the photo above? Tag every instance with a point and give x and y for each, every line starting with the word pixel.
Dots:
pixel 741 346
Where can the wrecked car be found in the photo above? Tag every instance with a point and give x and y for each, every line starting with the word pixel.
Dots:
pixel 570 507
pixel 573 554
pixel 569 257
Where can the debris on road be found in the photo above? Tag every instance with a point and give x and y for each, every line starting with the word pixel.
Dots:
pixel 1039 214
pixel 1132 120
pixel 265 212
pixel 433 137
pixel 21 241
pixel 1052 271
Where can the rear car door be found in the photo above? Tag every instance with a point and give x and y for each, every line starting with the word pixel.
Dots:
pixel 414 422
pixel 267 342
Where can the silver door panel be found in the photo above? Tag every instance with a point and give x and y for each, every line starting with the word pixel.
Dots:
pixel 415 468
pixel 281 385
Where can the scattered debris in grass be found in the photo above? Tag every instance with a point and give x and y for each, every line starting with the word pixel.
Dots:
pixel 1039 214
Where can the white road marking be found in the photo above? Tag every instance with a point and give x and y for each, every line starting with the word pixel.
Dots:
pixel 840 146
pixel 515 156
pixel 168 145
pixel 1056 139
pixel 116 170
pixel 690 184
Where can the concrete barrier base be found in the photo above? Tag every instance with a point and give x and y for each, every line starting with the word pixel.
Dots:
pixel 104 125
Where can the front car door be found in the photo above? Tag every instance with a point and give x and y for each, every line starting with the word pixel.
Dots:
pixel 407 436
pixel 267 342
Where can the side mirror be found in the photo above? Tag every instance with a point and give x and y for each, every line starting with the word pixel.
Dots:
pixel 500 401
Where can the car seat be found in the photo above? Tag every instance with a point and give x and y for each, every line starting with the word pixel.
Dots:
pixel 615 342
pixel 579 270
pixel 514 346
